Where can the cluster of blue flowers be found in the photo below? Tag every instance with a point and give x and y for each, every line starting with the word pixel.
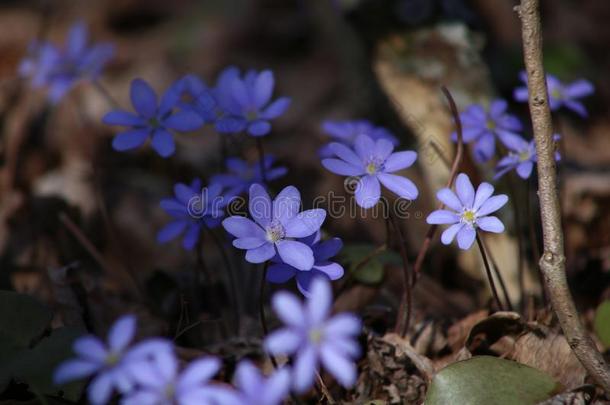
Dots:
pixel 149 372
pixel 278 233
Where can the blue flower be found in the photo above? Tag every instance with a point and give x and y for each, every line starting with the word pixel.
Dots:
pixel 249 99
pixel 60 69
pixel 193 208
pixel 522 157
pixel 481 127
pixel 469 211
pixel 274 229
pixel 312 336
pixel 109 362
pixel 346 132
pixel 560 94
pixel 241 175
pixel 374 162
pixel 159 382
pixel 280 272
pixel 153 119
pixel 255 389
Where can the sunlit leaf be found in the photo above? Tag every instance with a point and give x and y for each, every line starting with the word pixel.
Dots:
pixel 602 323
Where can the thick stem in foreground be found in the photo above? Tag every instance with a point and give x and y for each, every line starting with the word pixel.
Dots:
pixel 552 262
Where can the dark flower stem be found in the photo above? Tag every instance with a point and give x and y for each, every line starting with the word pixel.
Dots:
pixel 419 261
pixel 105 93
pixel 498 275
pixel 518 232
pixel 261 158
pixel 492 284
pixel 261 308
pixel 552 262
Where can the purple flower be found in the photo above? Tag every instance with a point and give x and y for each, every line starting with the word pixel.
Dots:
pixel 280 272
pixel 153 119
pixel 312 336
pixel 522 157
pixel 346 132
pixel 108 362
pixel 481 127
pixel 276 224
pixel 255 389
pixel 560 94
pixel 374 162
pixel 193 209
pixel 470 211
pixel 241 175
pixel 159 382
pixel 250 100
pixel 60 69
pixel 212 104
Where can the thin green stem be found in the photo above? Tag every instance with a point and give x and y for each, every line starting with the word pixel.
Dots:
pixel 261 308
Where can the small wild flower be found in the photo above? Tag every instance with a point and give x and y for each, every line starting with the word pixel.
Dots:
pixel 560 94
pixel 481 127
pixel 312 336
pixel 108 362
pixel 373 162
pixel 323 251
pixel 194 209
pixel 60 69
pixel 521 157
pixel 346 132
pixel 255 389
pixel 153 118
pixel 468 211
pixel 276 226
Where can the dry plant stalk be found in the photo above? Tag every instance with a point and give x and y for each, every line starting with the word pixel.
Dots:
pixel 552 262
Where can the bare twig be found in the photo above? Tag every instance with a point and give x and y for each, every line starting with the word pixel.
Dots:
pixel 419 261
pixel 552 262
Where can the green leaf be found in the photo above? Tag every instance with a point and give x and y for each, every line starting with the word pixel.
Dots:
pixel 36 366
pixel 602 323
pixel 486 380
pixel 22 319
pixel 366 262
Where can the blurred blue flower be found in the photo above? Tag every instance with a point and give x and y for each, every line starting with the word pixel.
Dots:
pixel 346 132
pixel 481 127
pixel 152 119
pixel 521 156
pixel 560 94
pixel 374 162
pixel 312 336
pixel 193 209
pixel 280 272
pixel 255 389
pixel 159 383
pixel 59 69
pixel 470 211
pixel 241 175
pixel 276 224
pixel 108 362
pixel 249 99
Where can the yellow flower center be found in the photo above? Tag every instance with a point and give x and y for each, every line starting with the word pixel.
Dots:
pixel 524 155
pixel 112 359
pixel 491 124
pixel 315 336
pixel 275 232
pixel 371 168
pixel 468 216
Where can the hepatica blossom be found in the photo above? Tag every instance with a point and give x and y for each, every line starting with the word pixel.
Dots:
pixel 107 362
pixel 193 210
pixel 560 94
pixel 241 175
pixel 153 119
pixel 469 211
pixel 346 132
pixel 275 227
pixel 373 162
pixel 312 336
pixel 323 251
pixel 159 382
pixel 60 68
pixel 481 127
pixel 255 389
pixel 521 157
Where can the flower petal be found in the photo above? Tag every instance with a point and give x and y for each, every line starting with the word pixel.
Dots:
pixel 524 170
pixel 123 118
pixel 344 324
pixel 286 205
pixel 448 197
pixel 401 186
pixel 143 98
pixel 399 160
pixel 345 153
pixel 122 332
pixel 90 348
pixel 242 227
pixel 368 191
pixel 74 370
pixel 280 273
pixel 339 366
pixel 484 191
pixel 163 143
pixel 192 236
pixel 283 341
pixel 490 224
pixel 259 128
pixel 442 217
pixel 260 206
pixel 248 243
pixel 263 88
pixel 485 147
pixel 305 368
pixel 341 167
pixel 364 146
pixel 129 139
pixel 321 301
pixel 465 237
pixel 100 389
pixel 199 371
pixel 449 233
pixel 184 121
pixel 383 149
pixel 492 204
pixel 332 270
pixel 464 190
pixel 305 223
pixel 275 109
pixel 295 254
pixel 289 309
pixel 260 254
pixel 327 249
